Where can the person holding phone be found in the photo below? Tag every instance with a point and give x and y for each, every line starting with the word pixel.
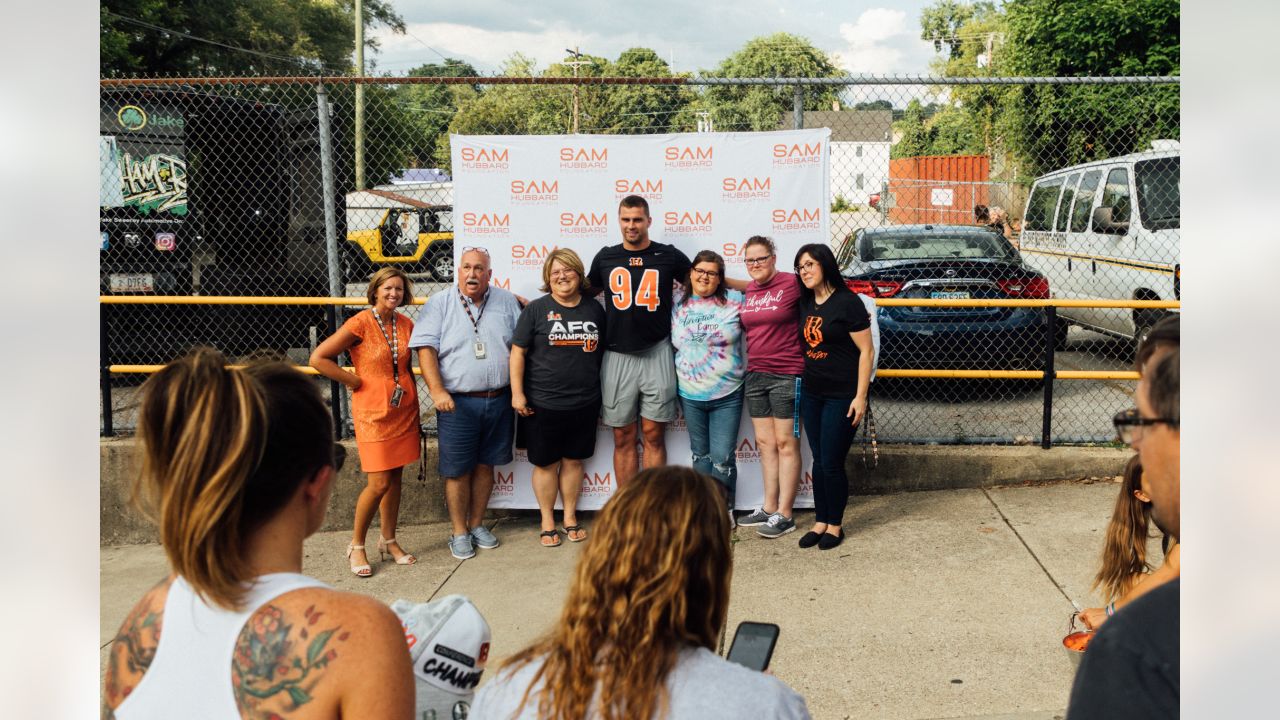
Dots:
pixel 384 408
pixel 638 632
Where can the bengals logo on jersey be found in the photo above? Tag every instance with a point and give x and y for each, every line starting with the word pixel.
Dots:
pixel 813 330
pixel 590 345
pixel 635 262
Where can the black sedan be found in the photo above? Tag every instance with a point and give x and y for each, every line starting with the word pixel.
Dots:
pixel 957 262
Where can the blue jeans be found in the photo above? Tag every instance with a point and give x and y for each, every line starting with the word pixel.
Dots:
pixel 830 436
pixel 478 432
pixel 713 436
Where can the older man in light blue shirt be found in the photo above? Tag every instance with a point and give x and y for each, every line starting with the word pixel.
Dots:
pixel 463 339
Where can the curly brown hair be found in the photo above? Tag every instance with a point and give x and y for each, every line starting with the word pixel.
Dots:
pixel 654 579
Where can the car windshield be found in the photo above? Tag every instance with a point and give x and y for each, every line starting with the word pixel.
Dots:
pixel 923 246
pixel 1160 192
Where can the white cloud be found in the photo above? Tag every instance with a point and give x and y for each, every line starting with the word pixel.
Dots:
pixel 880 41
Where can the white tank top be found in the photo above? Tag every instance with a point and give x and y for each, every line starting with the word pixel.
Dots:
pixel 190 676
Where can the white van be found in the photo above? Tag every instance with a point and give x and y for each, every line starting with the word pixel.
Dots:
pixel 1109 230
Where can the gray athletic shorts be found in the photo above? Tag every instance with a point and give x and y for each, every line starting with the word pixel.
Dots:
pixel 646 379
pixel 771 395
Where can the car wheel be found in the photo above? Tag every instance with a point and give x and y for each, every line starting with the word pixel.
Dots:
pixel 1143 321
pixel 442 265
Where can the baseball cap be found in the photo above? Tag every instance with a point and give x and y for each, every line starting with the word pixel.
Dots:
pixel 449 644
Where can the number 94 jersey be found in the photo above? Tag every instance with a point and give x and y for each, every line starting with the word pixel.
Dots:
pixel 637 293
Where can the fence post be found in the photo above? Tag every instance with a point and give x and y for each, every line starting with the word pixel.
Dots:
pixel 1050 328
pixel 327 181
pixel 335 387
pixel 104 372
pixel 797 108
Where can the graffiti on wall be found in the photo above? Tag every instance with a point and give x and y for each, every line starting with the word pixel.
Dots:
pixel 155 183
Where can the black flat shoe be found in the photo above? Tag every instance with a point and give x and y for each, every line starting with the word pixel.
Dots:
pixel 810 539
pixel 829 541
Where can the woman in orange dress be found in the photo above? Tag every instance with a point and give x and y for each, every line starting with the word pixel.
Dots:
pixel 384 407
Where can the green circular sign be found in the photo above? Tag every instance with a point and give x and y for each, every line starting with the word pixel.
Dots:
pixel 132 117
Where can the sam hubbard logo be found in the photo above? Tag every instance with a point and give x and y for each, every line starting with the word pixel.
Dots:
pixel 793 154
pixel 530 255
pixel 796 219
pixel 688 157
pixel 485 159
pixel 747 451
pixel 486 223
pixel 806 486
pixel 584 224
pixel 732 253
pixel 504 483
pixel 597 484
pixel 746 188
pixel 650 190
pixel 694 222
pixel 579 158
pixel 535 192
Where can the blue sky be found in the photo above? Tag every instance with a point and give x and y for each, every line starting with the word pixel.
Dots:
pixel 864 37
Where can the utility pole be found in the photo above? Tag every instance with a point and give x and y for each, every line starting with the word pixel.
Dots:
pixel 359 95
pixel 577 60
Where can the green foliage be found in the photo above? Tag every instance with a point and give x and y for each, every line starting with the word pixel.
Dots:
pixel 915 136
pixel 760 107
pixel 391 136
pixel 287 37
pixel 841 205
pixel 1044 127
pixel 602 109
pixel 432 107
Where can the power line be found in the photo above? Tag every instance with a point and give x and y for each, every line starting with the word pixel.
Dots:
pixel 189 36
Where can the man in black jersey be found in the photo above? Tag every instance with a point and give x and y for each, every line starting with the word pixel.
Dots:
pixel 637 377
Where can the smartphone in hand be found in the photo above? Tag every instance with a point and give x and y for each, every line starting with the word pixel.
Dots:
pixel 753 644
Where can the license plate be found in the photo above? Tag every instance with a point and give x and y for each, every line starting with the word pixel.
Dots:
pixel 132 282
pixel 958 295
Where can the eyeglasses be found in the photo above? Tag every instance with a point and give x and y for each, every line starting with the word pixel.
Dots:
pixel 477 248
pixel 757 261
pixel 339 457
pixel 713 274
pixel 564 273
pixel 806 265
pixel 1128 421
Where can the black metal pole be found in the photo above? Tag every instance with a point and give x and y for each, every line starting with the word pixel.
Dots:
pixel 104 372
pixel 1050 333
pixel 335 387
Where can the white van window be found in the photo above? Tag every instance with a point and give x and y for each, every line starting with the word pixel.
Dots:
pixel 1044 198
pixel 1064 207
pixel 1159 192
pixel 1084 200
pixel 1115 195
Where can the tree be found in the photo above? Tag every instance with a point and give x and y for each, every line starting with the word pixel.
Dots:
pixel 760 107
pixel 944 22
pixel 915 136
pixel 432 107
pixel 234 37
pixel 874 105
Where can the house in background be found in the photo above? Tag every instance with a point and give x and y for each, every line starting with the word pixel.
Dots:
pixel 860 142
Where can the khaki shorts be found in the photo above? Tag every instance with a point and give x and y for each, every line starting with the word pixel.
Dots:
pixel 646 380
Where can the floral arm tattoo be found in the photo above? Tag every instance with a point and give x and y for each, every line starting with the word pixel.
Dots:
pixel 279 661
pixel 134 648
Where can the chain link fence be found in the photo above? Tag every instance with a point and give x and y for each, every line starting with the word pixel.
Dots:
pixel 942 189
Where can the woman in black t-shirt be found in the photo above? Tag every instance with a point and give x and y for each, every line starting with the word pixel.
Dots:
pixel 835 333
pixel 555 387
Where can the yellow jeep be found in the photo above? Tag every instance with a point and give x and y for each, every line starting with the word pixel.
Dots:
pixel 416 239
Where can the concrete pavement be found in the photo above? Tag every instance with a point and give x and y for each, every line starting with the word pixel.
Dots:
pixel 939 604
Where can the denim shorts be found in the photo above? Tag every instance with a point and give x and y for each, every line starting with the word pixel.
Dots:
pixel 479 431
pixel 771 395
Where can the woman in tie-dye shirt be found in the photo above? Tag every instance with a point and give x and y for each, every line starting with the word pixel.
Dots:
pixel 706 331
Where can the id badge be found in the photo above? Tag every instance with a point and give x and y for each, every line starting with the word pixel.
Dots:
pixel 396 395
pixel 479 347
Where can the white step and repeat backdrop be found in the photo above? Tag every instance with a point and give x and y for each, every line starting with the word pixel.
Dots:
pixel 520 197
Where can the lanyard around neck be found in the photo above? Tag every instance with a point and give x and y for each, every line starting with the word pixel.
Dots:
pixel 475 321
pixel 393 342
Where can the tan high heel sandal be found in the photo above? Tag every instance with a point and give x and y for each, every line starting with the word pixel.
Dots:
pixel 384 553
pixel 363 571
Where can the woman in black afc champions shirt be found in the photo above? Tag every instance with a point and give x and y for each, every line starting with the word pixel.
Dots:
pixel 555 387
pixel 835 334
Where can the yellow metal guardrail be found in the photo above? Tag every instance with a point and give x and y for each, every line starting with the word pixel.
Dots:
pixel 884 302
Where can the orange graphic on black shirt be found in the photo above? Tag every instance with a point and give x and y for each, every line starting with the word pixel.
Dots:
pixel 813 336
